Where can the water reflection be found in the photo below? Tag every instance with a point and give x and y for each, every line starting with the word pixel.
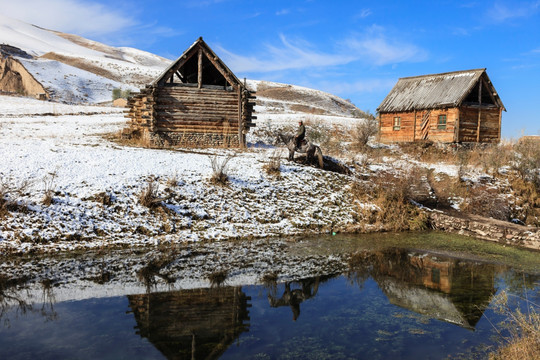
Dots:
pixel 191 324
pixel 336 318
pixel 294 297
pixel 444 288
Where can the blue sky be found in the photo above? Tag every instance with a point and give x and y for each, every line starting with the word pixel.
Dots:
pixel 354 49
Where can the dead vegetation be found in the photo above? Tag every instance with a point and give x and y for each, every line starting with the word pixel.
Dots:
pixel 273 165
pixel 393 196
pixel 149 196
pixel 523 329
pixel 220 169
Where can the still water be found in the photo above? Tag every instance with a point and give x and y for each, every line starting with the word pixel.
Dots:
pixel 391 303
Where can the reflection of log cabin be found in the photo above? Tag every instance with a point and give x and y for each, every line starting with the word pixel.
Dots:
pixel 191 324
pixel 196 101
pixel 448 289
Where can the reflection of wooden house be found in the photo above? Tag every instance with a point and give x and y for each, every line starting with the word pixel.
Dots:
pixel 444 288
pixel 196 101
pixel 191 324
pixel 461 106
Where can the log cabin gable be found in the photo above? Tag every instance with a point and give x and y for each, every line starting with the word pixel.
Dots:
pixel 199 66
pixel 482 94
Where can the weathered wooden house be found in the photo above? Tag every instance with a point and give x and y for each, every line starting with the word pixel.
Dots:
pixel 196 101
pixel 461 106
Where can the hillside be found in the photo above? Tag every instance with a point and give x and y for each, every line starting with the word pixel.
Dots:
pixel 73 69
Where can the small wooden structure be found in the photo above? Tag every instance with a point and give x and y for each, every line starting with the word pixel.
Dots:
pixel 196 101
pixel 461 106
pixel 192 324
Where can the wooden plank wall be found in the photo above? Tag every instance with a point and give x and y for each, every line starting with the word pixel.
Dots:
pixel 489 124
pixel 411 126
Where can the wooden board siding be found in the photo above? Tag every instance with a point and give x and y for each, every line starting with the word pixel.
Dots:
pixel 489 124
pixel 434 133
pixel 418 126
pixel 406 132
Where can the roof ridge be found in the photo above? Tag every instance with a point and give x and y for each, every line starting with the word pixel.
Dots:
pixel 442 74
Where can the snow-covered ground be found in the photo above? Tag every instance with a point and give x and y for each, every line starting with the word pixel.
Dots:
pixel 67 156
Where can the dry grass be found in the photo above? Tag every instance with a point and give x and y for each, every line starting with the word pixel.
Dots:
pixel 7 192
pixel 220 169
pixel 49 188
pixel 523 341
pixel 149 196
pixel 273 166
pixel 392 195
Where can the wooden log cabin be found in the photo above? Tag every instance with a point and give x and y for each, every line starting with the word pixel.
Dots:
pixel 196 101
pixel 461 106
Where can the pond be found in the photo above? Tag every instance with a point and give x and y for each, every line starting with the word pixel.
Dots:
pixel 266 299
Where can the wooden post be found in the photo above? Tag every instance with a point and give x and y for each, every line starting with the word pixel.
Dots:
pixel 500 123
pixel 199 73
pixel 414 127
pixel 241 109
pixel 456 127
pixel 479 110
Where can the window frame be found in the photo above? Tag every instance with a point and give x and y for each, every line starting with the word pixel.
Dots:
pixel 440 124
pixel 397 124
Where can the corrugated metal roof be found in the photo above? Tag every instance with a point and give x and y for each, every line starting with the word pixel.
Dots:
pixel 430 91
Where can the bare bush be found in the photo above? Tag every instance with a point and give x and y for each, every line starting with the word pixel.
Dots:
pixel 488 202
pixel 273 165
pixel 218 278
pixel 365 130
pixel 523 341
pixel 393 195
pixel 527 161
pixel 49 188
pixel 149 195
pixel 219 169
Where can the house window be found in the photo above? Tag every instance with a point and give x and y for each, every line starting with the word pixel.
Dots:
pixel 397 123
pixel 442 122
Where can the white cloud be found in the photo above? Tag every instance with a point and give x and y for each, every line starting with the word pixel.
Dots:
pixel 501 12
pixel 283 12
pixel 364 14
pixel 80 17
pixel 372 48
pixel 377 49
pixel 289 55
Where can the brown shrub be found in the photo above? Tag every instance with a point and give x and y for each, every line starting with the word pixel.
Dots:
pixel 484 201
pixel 219 169
pixel 393 196
pixel 524 329
pixel 365 130
pixel 273 165
pixel 149 195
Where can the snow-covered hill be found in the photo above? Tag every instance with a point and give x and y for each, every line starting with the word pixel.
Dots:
pixel 74 69
pixel 77 70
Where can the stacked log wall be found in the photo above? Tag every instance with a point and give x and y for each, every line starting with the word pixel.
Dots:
pixel 192 116
pixel 490 120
